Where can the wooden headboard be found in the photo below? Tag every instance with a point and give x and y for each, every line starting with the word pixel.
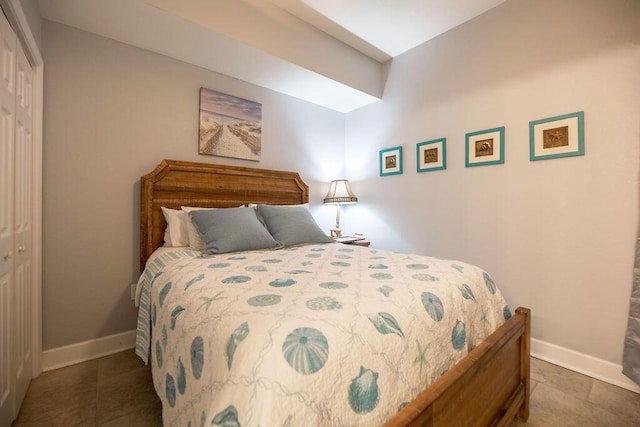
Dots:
pixel 174 184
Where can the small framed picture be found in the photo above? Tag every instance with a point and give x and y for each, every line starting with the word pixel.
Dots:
pixel 484 147
pixel 391 161
pixel 559 136
pixel 431 155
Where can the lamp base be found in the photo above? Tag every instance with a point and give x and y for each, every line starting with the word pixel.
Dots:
pixel 336 233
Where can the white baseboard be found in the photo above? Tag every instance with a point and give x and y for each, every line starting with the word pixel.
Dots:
pixel 582 363
pixel 87 350
pixel 570 359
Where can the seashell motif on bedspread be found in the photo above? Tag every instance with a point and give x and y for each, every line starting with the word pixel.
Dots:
pixel 239 334
pixel 506 312
pixel 264 300
pixel 282 283
pixel 489 282
pixel 182 377
pixel 323 303
pixel 170 390
pixel 194 280
pixel 333 285
pixel 236 279
pixel 433 305
pixel 385 290
pixel 226 418
pixel 458 335
pixel 363 391
pixel 306 350
pixel 197 356
pixel 385 323
pixel 164 292
pixel 174 316
pixel 417 266
pixel 466 292
pixel 345 336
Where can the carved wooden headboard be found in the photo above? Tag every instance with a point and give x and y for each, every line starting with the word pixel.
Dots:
pixel 174 183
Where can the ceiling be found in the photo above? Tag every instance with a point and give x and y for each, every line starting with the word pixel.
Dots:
pixel 383 29
pixel 329 52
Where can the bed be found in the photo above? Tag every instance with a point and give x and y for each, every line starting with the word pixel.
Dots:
pixel 483 380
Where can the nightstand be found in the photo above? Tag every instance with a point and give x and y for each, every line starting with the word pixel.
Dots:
pixel 364 243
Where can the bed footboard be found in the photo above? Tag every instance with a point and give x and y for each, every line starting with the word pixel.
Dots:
pixel 489 387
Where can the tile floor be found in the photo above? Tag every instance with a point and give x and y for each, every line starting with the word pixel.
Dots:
pixel 560 397
pixel 117 391
pixel 112 391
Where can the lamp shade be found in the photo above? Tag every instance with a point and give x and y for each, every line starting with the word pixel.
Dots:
pixel 340 192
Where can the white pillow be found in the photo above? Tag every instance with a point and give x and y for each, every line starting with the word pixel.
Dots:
pixel 196 242
pixel 176 232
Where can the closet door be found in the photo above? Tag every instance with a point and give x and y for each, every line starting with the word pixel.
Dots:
pixel 22 223
pixel 7 284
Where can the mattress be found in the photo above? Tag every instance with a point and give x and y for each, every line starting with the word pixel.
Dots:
pixel 324 334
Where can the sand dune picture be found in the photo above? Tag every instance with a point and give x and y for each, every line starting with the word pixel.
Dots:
pixel 229 126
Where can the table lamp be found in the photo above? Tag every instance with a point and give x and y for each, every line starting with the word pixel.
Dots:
pixel 339 193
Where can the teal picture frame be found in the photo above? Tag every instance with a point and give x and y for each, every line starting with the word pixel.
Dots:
pixel 484 147
pixel 431 155
pixel 391 161
pixel 556 137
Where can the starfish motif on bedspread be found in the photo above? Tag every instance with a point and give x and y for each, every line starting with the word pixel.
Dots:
pixel 208 301
pixel 420 358
pixel 483 318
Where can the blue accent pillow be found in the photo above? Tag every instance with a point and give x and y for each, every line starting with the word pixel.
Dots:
pixel 232 230
pixel 292 225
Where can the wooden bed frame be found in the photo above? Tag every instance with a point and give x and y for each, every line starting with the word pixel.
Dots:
pixel 490 386
pixel 174 184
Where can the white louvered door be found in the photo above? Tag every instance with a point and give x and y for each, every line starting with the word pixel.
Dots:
pixel 16 159
pixel 7 282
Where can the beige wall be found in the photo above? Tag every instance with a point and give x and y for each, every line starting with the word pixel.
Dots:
pixel 558 235
pixel 111 113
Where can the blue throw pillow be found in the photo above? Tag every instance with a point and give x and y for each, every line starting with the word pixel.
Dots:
pixel 292 225
pixel 232 230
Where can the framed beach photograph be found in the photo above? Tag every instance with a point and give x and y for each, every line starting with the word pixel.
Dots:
pixel 559 136
pixel 229 126
pixel 484 147
pixel 391 161
pixel 431 155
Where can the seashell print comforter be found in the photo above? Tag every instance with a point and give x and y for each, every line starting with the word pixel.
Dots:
pixel 327 335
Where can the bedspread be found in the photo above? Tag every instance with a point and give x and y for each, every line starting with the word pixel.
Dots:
pixel 325 334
